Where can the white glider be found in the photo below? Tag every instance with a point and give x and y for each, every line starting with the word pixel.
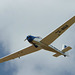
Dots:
pixel 38 44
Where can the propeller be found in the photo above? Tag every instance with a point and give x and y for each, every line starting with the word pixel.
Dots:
pixel 25 39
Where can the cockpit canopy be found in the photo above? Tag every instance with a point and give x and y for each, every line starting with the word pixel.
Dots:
pixel 30 38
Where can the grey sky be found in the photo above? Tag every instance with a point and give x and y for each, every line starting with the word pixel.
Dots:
pixel 19 18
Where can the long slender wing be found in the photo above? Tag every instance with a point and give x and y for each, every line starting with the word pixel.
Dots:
pixel 20 53
pixel 55 34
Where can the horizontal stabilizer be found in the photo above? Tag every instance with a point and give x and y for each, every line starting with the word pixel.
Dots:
pixel 56 55
pixel 64 50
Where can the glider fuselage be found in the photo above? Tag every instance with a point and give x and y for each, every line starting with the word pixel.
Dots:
pixel 36 41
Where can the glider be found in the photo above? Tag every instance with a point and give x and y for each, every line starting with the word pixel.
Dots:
pixel 38 43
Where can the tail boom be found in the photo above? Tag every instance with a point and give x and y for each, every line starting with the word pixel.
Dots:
pixel 63 52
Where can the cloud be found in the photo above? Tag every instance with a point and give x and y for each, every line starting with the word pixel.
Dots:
pixel 20 18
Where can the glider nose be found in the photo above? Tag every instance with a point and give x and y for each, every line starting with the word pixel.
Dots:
pixel 27 38
pixel 30 38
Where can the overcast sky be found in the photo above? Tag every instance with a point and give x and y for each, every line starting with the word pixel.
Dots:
pixel 19 18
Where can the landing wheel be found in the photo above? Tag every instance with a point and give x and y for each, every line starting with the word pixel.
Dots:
pixel 64 55
pixel 35 45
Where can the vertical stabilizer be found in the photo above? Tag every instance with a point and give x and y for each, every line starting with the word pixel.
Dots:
pixel 64 46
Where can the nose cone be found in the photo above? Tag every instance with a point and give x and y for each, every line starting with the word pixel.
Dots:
pixel 28 37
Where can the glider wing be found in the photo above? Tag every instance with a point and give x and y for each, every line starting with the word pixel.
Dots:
pixel 55 34
pixel 20 53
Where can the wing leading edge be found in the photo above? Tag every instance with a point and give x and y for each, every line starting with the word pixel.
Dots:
pixel 23 52
pixel 55 34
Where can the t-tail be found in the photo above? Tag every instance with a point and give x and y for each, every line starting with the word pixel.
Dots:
pixel 64 51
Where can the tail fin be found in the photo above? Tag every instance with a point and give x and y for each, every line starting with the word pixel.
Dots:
pixel 63 46
pixel 64 50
